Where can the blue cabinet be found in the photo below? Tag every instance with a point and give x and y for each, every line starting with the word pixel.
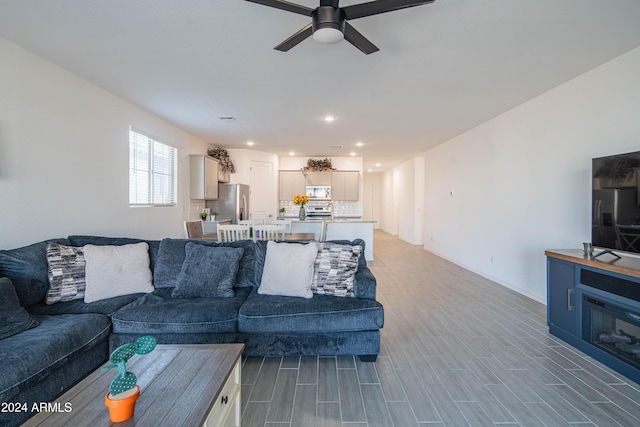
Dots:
pixel 594 305
pixel 561 296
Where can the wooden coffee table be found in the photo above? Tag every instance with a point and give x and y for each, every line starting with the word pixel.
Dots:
pixel 181 385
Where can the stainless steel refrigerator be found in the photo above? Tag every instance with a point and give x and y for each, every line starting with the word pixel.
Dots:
pixel 232 203
pixel 613 207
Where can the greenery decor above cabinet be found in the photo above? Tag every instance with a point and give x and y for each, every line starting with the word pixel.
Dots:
pixel 203 174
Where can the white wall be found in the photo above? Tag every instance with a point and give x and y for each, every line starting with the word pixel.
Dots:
pixel 389 194
pixel 498 195
pixel 64 157
pixel 410 200
pixel 242 160
pixel 374 204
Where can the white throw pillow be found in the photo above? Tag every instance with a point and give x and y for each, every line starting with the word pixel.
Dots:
pixel 288 269
pixel 112 271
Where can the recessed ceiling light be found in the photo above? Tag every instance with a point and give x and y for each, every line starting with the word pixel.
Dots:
pixel 352 153
pixel 359 144
pixel 291 153
pixel 369 170
pixel 250 143
pixel 378 164
pixel 329 118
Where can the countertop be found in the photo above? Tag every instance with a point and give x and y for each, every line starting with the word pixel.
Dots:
pixel 332 220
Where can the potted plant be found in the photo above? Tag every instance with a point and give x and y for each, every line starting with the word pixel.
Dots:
pixel 282 211
pixel 213 216
pixel 124 392
pixel 204 215
pixel 301 200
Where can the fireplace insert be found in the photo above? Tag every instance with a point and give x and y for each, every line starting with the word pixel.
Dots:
pixel 612 327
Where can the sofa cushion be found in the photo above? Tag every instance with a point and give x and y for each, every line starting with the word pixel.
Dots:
pixel 208 272
pixel 82 240
pixel 27 268
pixel 13 317
pixel 322 313
pixel 106 306
pixel 334 269
pixel 288 269
pixel 172 253
pixel 32 356
pixel 66 273
pixel 158 312
pixel 113 271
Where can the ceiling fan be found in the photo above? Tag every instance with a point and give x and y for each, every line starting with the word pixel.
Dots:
pixel 329 21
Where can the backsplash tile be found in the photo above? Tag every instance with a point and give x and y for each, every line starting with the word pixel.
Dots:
pixel 340 209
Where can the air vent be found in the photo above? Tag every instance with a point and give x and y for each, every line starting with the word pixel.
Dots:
pixel 336 146
pixel 227 118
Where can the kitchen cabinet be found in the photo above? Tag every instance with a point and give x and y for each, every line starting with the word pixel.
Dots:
pixel 203 172
pixel 291 183
pixel 318 178
pixel 345 185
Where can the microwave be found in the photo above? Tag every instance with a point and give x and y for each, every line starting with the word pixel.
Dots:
pixel 319 192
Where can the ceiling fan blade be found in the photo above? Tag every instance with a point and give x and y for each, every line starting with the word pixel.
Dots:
pixel 285 5
pixel 332 3
pixel 379 6
pixel 295 39
pixel 354 37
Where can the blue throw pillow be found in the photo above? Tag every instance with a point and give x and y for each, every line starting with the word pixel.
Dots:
pixel 208 272
pixel 13 317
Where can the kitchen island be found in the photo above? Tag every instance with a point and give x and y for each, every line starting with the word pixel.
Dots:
pixel 337 229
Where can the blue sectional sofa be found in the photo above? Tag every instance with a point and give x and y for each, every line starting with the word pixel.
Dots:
pixel 73 338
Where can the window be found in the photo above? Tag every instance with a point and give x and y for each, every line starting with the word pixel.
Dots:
pixel 153 171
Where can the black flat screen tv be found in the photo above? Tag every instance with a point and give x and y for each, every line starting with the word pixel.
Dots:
pixel 615 202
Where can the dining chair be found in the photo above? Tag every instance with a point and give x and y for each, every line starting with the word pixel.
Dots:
pixel 286 222
pixel 232 232
pixel 628 237
pixel 274 232
pixel 195 230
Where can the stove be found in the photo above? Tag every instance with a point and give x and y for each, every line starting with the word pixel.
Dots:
pixel 319 212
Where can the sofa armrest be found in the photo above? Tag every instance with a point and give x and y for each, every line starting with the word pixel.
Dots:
pixel 364 283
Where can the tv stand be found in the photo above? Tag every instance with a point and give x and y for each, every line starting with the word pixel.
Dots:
pixel 591 303
pixel 606 251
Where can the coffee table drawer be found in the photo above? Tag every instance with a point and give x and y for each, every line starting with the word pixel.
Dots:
pixel 226 410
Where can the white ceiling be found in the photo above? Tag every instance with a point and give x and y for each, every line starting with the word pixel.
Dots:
pixel 442 68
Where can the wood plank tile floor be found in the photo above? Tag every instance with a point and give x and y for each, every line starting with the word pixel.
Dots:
pixel 457 350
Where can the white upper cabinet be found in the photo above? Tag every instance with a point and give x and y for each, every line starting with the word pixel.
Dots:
pixel 318 178
pixel 204 177
pixel 345 185
pixel 291 184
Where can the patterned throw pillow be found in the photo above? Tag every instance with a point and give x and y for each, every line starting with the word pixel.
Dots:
pixel 66 273
pixel 335 268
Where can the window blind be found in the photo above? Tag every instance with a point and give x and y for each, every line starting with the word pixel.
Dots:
pixel 153 171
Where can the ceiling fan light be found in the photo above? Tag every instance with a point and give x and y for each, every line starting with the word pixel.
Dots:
pixel 328 35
